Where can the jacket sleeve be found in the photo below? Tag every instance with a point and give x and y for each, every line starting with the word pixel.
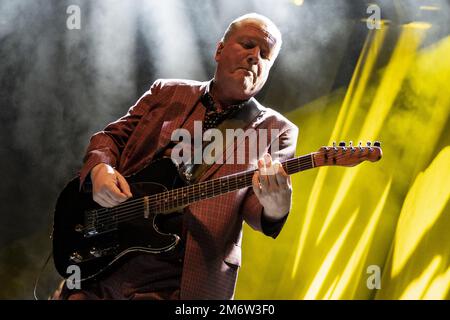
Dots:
pixel 252 210
pixel 106 146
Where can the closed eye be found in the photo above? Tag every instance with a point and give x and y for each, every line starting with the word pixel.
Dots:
pixel 247 45
pixel 251 45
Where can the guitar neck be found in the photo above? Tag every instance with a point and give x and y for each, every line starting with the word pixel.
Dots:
pixel 181 197
pixel 175 199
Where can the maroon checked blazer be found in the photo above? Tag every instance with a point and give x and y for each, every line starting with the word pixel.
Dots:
pixel 214 226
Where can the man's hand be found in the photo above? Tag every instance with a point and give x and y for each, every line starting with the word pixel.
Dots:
pixel 272 187
pixel 109 187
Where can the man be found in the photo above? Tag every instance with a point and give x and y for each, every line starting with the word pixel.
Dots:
pixel 205 264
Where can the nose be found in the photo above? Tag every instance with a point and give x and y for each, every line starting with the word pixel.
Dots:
pixel 254 56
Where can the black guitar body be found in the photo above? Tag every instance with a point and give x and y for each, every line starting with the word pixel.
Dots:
pixel 96 241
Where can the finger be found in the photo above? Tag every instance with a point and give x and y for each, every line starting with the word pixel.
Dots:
pixel 256 185
pixel 263 179
pixel 124 186
pixel 113 198
pixel 110 198
pixel 272 175
pixel 115 193
pixel 271 171
pixel 267 160
pixel 282 171
pixel 101 200
pixel 279 176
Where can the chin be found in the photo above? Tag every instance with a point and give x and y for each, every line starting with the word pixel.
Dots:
pixel 249 90
pixel 246 93
pixel 243 89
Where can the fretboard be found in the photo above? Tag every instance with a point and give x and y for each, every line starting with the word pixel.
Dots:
pixel 181 197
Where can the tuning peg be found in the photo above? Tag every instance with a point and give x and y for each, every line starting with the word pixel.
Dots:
pixel 368 145
pixel 360 146
pixel 334 146
pixel 351 146
pixel 342 145
pixel 377 144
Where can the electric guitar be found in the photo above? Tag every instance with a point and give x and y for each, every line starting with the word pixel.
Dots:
pixel 95 238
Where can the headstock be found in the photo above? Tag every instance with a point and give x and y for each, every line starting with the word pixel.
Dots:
pixel 347 156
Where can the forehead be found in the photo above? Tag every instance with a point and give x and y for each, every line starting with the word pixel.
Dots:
pixel 256 31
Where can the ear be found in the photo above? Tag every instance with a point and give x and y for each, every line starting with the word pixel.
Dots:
pixel 219 49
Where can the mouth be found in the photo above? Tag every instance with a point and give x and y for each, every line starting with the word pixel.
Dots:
pixel 250 72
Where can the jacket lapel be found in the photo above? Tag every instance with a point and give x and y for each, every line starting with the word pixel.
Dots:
pixel 182 102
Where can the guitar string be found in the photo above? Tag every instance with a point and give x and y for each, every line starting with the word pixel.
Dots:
pixel 103 210
pixel 114 219
pixel 212 187
pixel 117 215
pixel 295 161
pixel 289 162
pixel 211 184
pixel 126 215
pixel 131 214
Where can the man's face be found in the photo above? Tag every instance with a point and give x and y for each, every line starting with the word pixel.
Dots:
pixel 244 61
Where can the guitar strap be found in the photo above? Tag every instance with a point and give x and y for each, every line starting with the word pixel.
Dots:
pixel 240 120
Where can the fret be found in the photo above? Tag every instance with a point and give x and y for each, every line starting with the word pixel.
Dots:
pixel 202 191
pixel 175 198
pixel 217 187
pixel 185 199
pixel 171 199
pixel 205 190
pixel 211 188
pixel 197 195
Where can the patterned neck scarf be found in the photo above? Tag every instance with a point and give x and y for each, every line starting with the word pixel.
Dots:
pixel 213 117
